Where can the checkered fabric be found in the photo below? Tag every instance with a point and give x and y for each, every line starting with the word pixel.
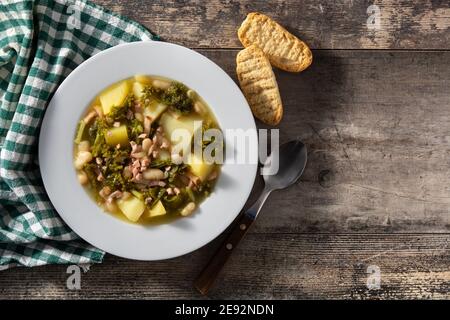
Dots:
pixel 41 42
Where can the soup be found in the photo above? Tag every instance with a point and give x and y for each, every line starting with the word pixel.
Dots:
pixel 127 150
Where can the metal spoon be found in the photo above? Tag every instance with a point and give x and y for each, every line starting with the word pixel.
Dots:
pixel 292 162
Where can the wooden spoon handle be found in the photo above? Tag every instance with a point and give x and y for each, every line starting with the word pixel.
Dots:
pixel 209 274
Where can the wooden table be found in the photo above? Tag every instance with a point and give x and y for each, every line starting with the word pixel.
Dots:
pixel 374 112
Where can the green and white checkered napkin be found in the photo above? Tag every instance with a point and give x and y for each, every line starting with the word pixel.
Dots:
pixel 41 42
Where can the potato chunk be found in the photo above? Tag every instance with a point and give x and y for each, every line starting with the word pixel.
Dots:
pixel 200 168
pixel 138 89
pixel 115 136
pixel 157 210
pixel 114 96
pixel 154 110
pixel 170 124
pixel 131 207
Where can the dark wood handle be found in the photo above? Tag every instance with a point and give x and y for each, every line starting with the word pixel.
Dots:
pixel 207 277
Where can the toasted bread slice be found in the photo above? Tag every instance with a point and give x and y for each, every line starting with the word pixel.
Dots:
pixel 259 85
pixel 284 50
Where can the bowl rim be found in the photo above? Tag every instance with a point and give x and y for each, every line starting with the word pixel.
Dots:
pixel 49 127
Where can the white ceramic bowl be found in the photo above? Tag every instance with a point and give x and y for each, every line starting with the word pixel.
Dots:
pixel 56 151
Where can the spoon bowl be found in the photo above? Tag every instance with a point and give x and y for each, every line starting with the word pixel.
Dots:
pixel 291 160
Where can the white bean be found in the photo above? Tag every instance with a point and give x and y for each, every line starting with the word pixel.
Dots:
pixel 199 107
pixel 191 94
pixel 82 158
pixel 82 177
pixel 138 155
pixel 147 124
pixel 99 111
pixel 161 84
pixel 127 174
pixel 146 143
pixel 176 158
pixel 84 145
pixel 139 116
pixel 111 206
pixel 91 115
pixel 188 209
pixel 153 174
pixel 104 192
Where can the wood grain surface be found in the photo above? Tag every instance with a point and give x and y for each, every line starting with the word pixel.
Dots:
pixel 337 24
pixel 264 266
pixel 375 193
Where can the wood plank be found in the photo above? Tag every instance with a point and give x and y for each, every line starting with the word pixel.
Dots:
pixel 341 24
pixel 265 266
pixel 376 125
